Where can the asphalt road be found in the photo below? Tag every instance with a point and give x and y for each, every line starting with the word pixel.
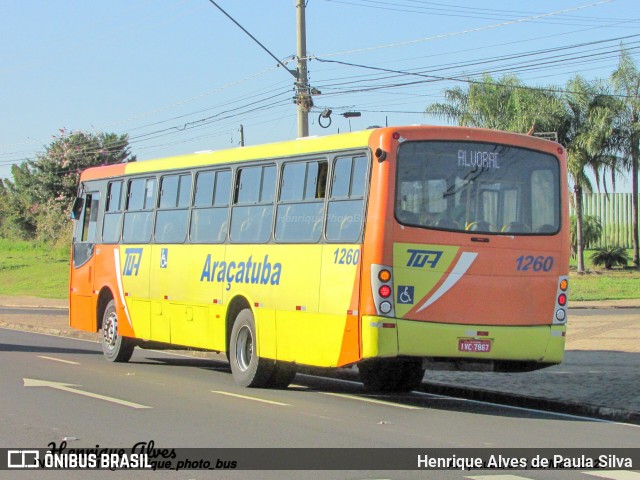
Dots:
pixel 185 402
pixel 578 312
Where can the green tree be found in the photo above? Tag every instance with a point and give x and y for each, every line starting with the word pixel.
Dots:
pixel 589 141
pixel 502 104
pixel 20 210
pixel 591 232
pixel 43 189
pixel 58 169
pixel 626 83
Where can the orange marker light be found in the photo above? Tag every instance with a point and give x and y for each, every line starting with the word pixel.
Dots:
pixel 384 275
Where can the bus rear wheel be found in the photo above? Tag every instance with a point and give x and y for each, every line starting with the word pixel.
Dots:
pixel 283 374
pixel 391 374
pixel 115 347
pixel 248 369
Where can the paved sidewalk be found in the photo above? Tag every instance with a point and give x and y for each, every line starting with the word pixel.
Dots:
pixel 600 376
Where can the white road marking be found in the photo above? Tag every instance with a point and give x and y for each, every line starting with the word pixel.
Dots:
pixel 59 360
pixel 371 400
pixel 29 382
pixel 615 474
pixel 498 477
pixel 246 397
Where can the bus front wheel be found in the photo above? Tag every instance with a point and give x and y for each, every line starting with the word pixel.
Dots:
pixel 391 374
pixel 248 369
pixel 115 347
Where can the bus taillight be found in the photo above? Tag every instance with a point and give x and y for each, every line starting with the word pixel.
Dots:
pixel 382 289
pixel 560 311
pixel 562 299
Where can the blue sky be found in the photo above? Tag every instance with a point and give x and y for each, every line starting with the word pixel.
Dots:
pixel 179 76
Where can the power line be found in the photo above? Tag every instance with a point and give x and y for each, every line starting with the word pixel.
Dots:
pixel 470 30
pixel 254 39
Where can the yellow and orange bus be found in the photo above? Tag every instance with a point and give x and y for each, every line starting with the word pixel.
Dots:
pixel 396 249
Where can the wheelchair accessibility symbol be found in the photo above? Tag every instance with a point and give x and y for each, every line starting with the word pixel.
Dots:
pixel 164 257
pixel 405 294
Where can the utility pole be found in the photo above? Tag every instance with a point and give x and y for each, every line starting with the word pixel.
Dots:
pixel 241 135
pixel 303 94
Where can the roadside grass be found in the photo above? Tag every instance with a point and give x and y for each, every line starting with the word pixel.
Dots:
pixel 39 270
pixel 33 269
pixel 600 284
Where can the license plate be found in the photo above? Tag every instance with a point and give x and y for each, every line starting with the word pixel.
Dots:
pixel 475 346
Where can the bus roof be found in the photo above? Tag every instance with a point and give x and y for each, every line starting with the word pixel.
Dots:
pixel 307 145
pixel 299 146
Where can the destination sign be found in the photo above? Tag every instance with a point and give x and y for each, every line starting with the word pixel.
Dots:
pixel 478 159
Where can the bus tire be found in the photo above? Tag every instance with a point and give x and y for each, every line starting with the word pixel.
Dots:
pixel 411 376
pixel 115 347
pixel 248 369
pixel 283 374
pixel 391 374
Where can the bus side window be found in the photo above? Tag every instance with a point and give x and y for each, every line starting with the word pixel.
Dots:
pixel 138 217
pixel 210 211
pixel 86 230
pixel 172 216
pixel 301 206
pixel 112 224
pixel 90 217
pixel 252 213
pixel 346 201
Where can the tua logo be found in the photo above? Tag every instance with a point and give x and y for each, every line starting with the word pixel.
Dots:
pixel 420 258
pixel 132 261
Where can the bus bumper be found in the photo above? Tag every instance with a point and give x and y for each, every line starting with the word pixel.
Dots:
pixel 391 337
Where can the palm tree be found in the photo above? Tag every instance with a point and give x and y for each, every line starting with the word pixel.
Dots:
pixel 610 257
pixel 503 104
pixel 591 232
pixel 626 83
pixel 589 141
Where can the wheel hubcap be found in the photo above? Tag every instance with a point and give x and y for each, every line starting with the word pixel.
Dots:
pixel 244 348
pixel 110 330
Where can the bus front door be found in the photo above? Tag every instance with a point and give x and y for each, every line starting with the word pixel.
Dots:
pixel 81 297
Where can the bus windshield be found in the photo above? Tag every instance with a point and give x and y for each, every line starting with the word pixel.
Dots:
pixel 477 187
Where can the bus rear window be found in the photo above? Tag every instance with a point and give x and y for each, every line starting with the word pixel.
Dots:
pixel 477 187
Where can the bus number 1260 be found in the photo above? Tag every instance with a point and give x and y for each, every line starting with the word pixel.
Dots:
pixel 346 256
pixel 526 263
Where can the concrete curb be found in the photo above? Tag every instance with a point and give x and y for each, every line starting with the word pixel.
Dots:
pixel 536 403
pixel 78 334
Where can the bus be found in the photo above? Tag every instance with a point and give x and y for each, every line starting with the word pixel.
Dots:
pixel 396 249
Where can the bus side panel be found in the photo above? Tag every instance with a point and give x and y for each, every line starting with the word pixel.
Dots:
pixel 339 301
pixel 350 350
pixel 186 289
pixel 135 266
pixel 255 273
pixel 298 321
pixel 314 329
